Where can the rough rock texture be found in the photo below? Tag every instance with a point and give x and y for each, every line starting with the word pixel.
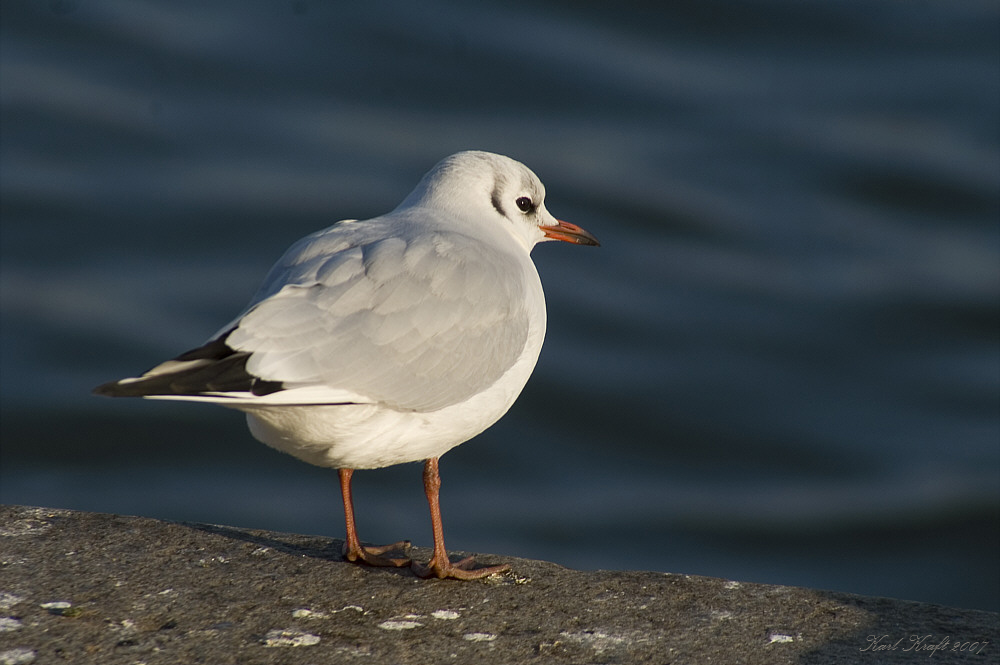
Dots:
pixel 94 588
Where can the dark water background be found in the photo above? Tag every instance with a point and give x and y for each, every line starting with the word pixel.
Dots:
pixel 782 366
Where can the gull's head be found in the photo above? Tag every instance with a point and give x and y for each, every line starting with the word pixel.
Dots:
pixel 486 186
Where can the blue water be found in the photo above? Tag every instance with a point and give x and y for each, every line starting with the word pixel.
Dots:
pixel 783 364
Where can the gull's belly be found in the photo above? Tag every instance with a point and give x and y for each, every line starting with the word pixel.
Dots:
pixel 371 436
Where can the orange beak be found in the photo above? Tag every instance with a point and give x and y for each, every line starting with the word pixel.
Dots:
pixel 569 233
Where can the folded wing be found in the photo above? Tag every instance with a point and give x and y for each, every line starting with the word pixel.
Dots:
pixel 413 323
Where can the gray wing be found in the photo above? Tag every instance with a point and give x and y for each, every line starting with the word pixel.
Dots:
pixel 416 323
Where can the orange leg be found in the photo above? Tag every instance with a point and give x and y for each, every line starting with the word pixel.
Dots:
pixel 353 549
pixel 440 566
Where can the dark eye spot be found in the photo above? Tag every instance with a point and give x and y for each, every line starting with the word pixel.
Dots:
pixel 524 204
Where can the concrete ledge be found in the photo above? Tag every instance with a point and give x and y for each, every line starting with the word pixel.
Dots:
pixel 94 588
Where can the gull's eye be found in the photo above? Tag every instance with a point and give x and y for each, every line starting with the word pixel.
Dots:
pixel 524 204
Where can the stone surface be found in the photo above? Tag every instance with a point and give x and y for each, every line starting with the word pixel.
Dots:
pixel 94 588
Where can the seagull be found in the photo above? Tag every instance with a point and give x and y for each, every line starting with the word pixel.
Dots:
pixel 388 340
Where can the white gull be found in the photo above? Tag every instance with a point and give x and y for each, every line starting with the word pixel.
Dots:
pixel 388 340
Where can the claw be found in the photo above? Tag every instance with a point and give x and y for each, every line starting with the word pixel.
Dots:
pixel 460 570
pixel 373 555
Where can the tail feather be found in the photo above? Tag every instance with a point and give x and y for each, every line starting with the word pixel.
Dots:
pixel 210 369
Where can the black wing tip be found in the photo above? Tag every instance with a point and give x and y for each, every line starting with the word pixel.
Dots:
pixel 256 387
pixel 223 370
